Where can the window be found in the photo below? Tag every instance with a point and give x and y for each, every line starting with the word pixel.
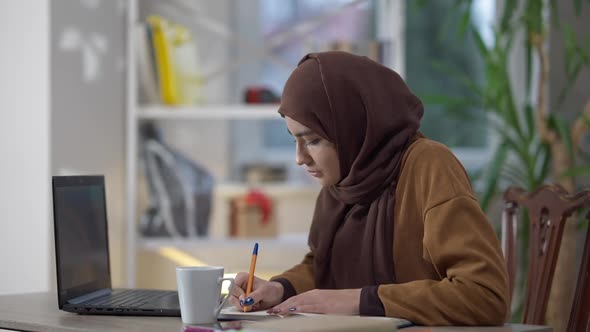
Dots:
pixel 339 24
pixel 410 39
pixel 288 30
pixel 433 41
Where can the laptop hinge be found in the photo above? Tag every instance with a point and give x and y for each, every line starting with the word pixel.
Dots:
pixel 89 296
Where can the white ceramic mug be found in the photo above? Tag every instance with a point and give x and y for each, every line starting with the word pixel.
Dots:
pixel 199 293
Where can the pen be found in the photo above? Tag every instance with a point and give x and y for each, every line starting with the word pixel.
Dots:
pixel 251 275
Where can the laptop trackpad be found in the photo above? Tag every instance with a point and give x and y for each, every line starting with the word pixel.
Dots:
pixel 164 302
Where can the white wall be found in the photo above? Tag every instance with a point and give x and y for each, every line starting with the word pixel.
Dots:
pixel 24 147
pixel 88 104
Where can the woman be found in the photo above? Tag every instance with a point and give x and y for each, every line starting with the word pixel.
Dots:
pixel 397 230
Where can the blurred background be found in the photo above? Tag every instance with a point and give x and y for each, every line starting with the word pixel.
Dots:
pixel 175 103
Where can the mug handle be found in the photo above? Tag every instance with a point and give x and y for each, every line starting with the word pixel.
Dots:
pixel 226 297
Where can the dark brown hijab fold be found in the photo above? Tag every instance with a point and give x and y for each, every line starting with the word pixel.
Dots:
pixel 369 113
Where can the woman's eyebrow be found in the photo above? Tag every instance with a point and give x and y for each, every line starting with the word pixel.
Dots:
pixel 303 133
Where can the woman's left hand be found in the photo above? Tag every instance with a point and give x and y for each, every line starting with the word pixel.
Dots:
pixel 321 301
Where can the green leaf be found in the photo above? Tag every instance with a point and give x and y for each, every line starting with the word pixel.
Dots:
pixel 518 147
pixel 529 68
pixel 518 176
pixel 456 107
pixel 545 167
pixel 459 14
pixel 583 54
pixel 577 171
pixel 570 48
pixel 583 224
pixel 557 123
pixel 462 78
pixel 483 49
pixel 462 114
pixel 565 90
pixel 575 60
pixel 541 158
pixel 554 12
pixel 540 172
pixel 572 72
pixel 529 113
pixel 465 20
pixel 507 136
pixel 449 101
pixel 578 6
pixel 513 179
pixel 499 80
pixel 507 14
pixel 532 17
pixel 493 174
pixel 418 4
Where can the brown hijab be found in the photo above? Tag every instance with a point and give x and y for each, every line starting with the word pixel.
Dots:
pixel 369 113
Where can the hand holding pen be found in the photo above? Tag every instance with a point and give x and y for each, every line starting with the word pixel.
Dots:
pixel 248 306
pixel 255 293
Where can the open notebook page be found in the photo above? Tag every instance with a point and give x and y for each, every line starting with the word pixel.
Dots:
pixel 233 313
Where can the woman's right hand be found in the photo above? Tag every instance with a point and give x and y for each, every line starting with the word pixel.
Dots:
pixel 264 295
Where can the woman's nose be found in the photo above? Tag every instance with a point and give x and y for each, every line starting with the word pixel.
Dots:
pixel 301 157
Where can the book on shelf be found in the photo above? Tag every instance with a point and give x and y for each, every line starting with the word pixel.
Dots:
pixel 176 62
pixel 186 64
pixel 161 41
pixel 313 322
pixel 146 69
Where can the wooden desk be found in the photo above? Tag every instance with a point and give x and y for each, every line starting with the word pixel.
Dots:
pixel 39 312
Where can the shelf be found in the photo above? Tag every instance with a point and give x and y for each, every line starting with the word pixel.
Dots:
pixel 272 189
pixel 220 112
pixel 294 201
pixel 275 254
pixel 283 242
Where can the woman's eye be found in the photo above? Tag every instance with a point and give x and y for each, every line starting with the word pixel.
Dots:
pixel 313 142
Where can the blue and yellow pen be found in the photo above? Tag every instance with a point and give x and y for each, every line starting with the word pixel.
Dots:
pixel 251 275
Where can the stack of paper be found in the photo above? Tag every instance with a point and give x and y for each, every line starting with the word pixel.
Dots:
pixel 261 321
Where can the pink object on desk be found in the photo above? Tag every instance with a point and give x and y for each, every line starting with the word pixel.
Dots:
pixel 220 326
pixel 198 329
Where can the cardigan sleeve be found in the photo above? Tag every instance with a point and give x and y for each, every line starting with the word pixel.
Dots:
pixel 462 246
pixel 298 279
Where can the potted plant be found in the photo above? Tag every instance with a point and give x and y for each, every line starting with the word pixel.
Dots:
pixel 536 143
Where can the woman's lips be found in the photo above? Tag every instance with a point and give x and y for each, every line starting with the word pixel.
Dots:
pixel 316 174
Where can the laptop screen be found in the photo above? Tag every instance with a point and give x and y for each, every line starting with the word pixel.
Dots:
pixel 81 243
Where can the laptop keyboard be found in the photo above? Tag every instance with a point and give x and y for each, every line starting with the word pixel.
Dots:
pixel 128 298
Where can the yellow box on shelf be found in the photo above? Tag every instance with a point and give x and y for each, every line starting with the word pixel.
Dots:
pixel 176 62
pixel 188 81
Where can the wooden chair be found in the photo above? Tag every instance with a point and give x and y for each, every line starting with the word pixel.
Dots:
pixel 548 208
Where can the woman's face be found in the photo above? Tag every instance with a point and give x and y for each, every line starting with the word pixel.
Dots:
pixel 317 155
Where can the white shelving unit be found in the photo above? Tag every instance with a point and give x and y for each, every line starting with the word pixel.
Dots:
pixel 131 143
pixel 137 113
pixel 269 244
pixel 219 112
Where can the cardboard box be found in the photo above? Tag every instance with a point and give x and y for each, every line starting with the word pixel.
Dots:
pixel 250 218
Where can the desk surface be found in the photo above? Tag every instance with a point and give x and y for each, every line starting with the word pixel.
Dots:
pixel 39 312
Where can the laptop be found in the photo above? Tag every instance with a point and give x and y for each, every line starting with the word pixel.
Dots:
pixel 82 255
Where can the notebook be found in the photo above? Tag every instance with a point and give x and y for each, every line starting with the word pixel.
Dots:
pixel 314 322
pixel 82 255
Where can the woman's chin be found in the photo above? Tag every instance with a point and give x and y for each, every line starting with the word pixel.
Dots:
pixel 325 182
pixel 319 180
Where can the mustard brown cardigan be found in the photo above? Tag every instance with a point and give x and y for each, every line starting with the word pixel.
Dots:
pixel 448 263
